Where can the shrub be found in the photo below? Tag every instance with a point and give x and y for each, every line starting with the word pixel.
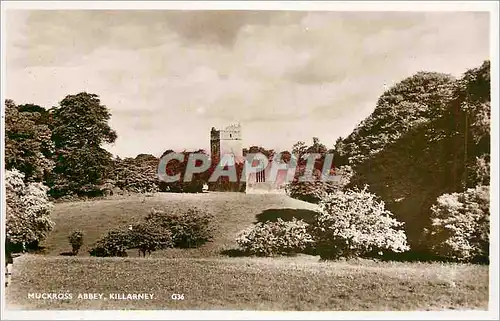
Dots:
pixel 191 228
pixel 275 238
pixel 28 210
pixel 115 243
pixel 460 227
pixel 76 241
pixel 354 223
pixel 148 237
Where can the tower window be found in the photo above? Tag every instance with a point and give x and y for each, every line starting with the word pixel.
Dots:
pixel 230 135
pixel 260 177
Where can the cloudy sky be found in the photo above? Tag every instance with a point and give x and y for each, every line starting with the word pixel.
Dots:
pixel 169 76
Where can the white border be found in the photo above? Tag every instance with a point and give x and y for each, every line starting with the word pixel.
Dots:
pixel 261 5
pixel 243 315
pixel 2 163
pixel 490 6
pixel 494 184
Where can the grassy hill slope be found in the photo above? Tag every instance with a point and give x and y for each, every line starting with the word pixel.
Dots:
pixel 233 212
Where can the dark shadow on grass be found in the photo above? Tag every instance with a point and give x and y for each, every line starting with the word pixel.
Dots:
pixel 419 256
pixel 66 254
pixel 286 214
pixel 241 253
pixel 234 253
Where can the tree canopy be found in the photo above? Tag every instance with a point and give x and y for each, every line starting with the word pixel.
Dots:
pixel 441 147
pixel 79 129
pixel 28 144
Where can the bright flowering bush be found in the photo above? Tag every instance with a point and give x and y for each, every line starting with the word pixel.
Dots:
pixel 460 227
pixel 275 238
pixel 28 210
pixel 354 223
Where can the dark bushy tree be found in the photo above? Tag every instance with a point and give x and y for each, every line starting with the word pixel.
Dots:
pixel 28 145
pixel 114 243
pixel 79 130
pixel 148 237
pixel 76 241
pixel 418 99
pixel 444 152
pixel 189 228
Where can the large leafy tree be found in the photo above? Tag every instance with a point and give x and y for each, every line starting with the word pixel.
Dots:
pixel 415 100
pixel 470 125
pixel 79 129
pixel 28 145
pixel 446 152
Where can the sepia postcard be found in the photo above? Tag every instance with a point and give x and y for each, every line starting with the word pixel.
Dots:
pixel 249 160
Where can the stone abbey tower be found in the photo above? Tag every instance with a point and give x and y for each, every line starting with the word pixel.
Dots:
pixel 226 141
pixel 229 141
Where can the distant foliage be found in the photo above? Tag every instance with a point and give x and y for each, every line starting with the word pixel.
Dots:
pixel 299 149
pixel 76 241
pixel 114 243
pixel 354 223
pixel 28 210
pixel 174 167
pixel 315 190
pixel 460 227
pixel 269 153
pixel 136 175
pixel 28 144
pixel 189 228
pixel 275 238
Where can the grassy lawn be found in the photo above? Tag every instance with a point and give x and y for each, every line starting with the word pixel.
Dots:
pixel 211 280
pixel 300 283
